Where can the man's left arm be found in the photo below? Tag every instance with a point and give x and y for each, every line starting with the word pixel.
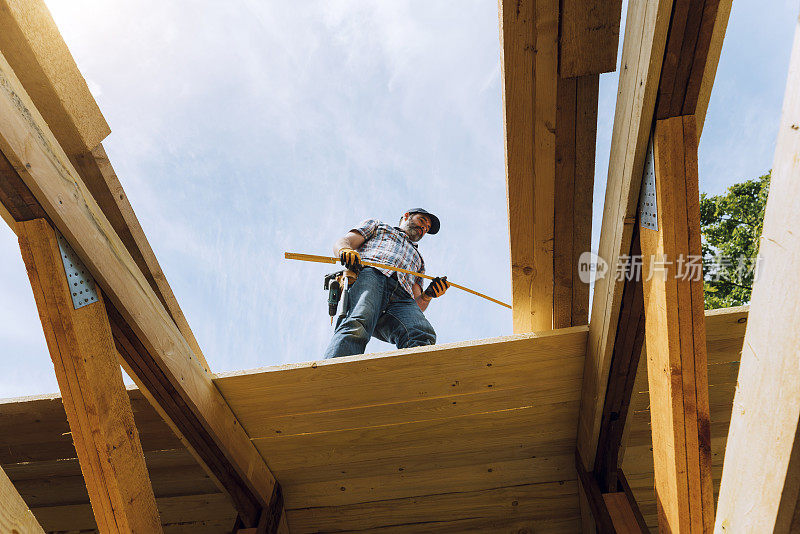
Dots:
pixel 422 299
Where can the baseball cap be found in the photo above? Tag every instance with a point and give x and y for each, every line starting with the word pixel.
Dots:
pixel 434 219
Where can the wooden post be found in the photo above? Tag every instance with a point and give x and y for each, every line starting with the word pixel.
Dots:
pixel 529 60
pixel 95 400
pixel 675 336
pixel 550 130
pixel 761 475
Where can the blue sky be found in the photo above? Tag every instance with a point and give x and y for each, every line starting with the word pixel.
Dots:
pixel 245 129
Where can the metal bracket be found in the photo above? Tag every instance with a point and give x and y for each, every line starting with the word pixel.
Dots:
pixel 81 284
pixel 648 203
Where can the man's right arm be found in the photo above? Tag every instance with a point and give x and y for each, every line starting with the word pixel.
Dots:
pixel 351 240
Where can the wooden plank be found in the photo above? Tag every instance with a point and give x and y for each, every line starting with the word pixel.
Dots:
pixel 642 55
pixel 33 46
pixel 587 521
pixel 697 57
pixel 192 513
pixel 523 429
pixel 589 36
pixel 540 504
pixel 761 496
pixel 348 489
pixel 529 50
pixel 388 385
pixel 675 336
pixel 15 516
pixel 435 409
pixel 168 369
pixel 666 59
pixel 513 525
pixel 95 400
pixel 478 451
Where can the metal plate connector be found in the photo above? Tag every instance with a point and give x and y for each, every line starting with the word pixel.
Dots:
pixel 81 284
pixel 648 203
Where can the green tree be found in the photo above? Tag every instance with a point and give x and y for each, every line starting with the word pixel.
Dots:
pixel 731 226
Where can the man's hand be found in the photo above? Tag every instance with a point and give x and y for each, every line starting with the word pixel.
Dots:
pixel 350 259
pixel 437 287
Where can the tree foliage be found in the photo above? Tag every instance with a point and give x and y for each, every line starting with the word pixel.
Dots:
pixel 731 226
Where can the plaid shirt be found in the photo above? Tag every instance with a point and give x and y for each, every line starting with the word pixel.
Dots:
pixel 391 246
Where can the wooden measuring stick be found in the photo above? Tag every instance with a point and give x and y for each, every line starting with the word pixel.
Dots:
pixel 332 260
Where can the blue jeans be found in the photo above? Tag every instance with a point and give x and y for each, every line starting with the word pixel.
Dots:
pixel 377 305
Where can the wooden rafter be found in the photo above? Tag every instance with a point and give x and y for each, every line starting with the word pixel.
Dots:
pixel 761 475
pixel 96 402
pixel 624 364
pixel 642 54
pixel 168 370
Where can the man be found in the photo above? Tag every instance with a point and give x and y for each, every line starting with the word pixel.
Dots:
pixel 382 303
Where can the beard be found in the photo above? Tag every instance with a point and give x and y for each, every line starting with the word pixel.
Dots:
pixel 413 232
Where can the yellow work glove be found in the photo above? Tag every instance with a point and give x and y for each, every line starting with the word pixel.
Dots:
pixel 437 287
pixel 350 259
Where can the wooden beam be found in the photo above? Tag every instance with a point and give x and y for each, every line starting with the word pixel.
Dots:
pixel 675 336
pixel 642 55
pixel 761 474
pixel 692 29
pixel 624 364
pixel 34 48
pixel 589 36
pixel 165 366
pixel 529 59
pixel 15 516
pixel 650 24
pixel 576 132
pixel 95 400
